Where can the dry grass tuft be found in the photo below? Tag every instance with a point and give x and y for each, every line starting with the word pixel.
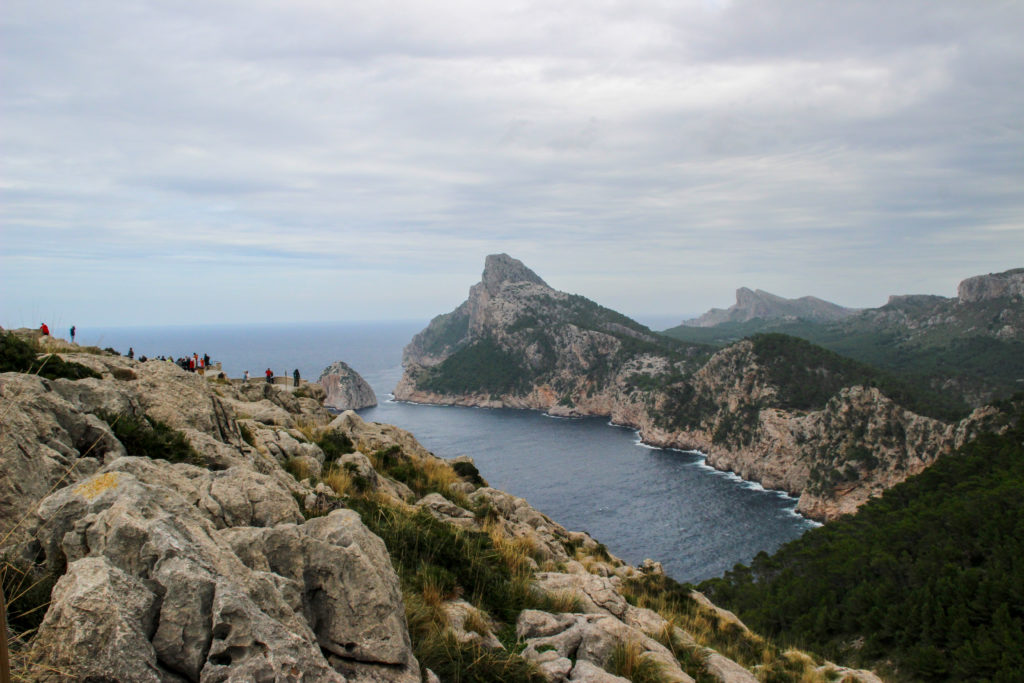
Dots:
pixel 339 479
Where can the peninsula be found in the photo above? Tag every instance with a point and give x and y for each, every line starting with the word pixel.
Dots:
pixel 773 408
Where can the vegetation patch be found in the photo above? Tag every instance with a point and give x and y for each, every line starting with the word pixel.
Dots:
pixel 18 355
pixel 334 444
pixel 928 576
pixel 27 591
pixel 142 435
pixel 483 366
pixel 436 561
pixel 469 472
pixel 807 376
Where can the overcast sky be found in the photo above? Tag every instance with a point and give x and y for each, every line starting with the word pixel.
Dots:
pixel 319 160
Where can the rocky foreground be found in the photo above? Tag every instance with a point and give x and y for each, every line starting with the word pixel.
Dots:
pixel 199 530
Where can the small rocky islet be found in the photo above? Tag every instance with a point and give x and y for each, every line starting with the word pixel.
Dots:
pixel 194 529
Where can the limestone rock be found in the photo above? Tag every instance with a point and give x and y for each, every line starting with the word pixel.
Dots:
pixel 346 389
pixel 752 304
pixel 590 639
pixel 597 595
pixel 992 286
pixel 458 613
pixel 326 584
pixel 726 670
pixel 374 436
pixel 357 611
pixel 99 624
pixel 45 441
pixel 443 509
pixel 586 672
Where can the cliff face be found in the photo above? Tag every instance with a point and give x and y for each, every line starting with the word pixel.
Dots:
pixel 751 304
pixel 1008 284
pixel 517 343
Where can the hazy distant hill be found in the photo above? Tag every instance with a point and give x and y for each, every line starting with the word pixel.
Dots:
pixel 971 345
pixel 764 305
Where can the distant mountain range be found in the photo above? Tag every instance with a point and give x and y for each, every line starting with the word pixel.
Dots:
pixel 759 304
pixel 971 345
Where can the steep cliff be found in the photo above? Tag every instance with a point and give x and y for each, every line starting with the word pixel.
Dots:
pixel 774 409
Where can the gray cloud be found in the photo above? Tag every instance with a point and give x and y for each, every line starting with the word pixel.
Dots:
pixel 651 157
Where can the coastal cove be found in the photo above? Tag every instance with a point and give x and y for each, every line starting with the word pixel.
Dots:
pixel 640 501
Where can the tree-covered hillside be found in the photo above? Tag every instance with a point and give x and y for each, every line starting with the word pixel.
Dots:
pixel 962 349
pixel 929 577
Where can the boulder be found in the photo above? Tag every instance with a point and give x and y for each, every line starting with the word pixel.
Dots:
pixel 99 624
pixel 350 596
pixel 346 389
pixel 586 672
pixel 303 590
pixel 597 594
pixel 45 442
pixel 443 509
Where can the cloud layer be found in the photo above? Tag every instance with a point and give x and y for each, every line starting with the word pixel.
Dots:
pixel 319 160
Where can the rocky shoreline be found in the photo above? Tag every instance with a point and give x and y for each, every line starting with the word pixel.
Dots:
pixel 727 406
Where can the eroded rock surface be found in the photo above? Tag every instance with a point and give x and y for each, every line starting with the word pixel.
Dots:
pixel 346 389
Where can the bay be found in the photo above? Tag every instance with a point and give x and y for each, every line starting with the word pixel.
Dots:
pixel 585 474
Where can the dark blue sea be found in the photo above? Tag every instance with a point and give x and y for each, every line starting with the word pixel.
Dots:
pixel 584 473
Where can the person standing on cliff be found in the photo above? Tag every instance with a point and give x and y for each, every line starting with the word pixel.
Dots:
pixel 131 353
pixel 270 376
pixel 72 334
pixel 296 376
pixel 245 377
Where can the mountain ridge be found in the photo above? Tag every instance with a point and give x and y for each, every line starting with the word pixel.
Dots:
pixel 524 345
pixel 751 304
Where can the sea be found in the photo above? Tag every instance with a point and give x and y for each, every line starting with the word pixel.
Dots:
pixel 585 473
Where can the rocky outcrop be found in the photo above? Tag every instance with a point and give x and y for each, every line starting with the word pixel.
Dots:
pixel 1008 284
pixel 751 304
pixel 346 389
pixel 172 571
pixel 209 570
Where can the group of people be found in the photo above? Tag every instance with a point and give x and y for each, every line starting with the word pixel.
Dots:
pixel 270 376
pixel 195 362
pixel 45 329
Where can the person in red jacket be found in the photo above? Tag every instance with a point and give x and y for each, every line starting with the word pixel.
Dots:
pixel 44 329
pixel 270 376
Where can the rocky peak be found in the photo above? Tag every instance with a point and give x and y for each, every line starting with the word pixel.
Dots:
pixel 751 304
pixel 1009 283
pixel 502 268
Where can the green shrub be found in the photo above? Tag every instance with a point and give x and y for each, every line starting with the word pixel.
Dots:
pixel 142 435
pixel 18 355
pixel 334 444
pixel 416 541
pixel 468 471
pixel 457 662
pixel 928 576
